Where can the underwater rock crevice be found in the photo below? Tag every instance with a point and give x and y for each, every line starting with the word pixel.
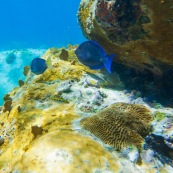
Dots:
pixel 161 150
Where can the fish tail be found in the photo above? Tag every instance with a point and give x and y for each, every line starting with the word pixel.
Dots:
pixel 49 62
pixel 108 61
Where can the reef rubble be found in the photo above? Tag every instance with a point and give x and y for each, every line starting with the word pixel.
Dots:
pixel 40 129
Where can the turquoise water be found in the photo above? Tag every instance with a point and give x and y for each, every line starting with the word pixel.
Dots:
pixel 37 25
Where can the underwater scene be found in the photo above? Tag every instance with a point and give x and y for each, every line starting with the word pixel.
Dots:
pixel 86 86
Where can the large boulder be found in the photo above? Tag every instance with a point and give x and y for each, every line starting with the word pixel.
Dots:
pixel 138 31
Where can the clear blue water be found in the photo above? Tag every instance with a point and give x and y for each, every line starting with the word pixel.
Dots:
pixel 36 24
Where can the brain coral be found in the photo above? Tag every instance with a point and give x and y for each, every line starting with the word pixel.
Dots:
pixel 120 124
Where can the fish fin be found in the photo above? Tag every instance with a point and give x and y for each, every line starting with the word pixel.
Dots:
pixel 97 67
pixel 107 61
pixel 49 62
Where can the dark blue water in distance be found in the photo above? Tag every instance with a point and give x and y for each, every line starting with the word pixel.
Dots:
pixel 38 23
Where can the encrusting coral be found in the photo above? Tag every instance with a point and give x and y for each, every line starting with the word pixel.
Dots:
pixel 120 124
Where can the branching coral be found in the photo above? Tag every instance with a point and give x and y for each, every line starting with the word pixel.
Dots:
pixel 120 124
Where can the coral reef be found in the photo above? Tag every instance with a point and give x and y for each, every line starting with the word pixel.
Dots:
pixel 130 29
pixel 122 20
pixel 66 151
pixel 120 124
pixel 41 131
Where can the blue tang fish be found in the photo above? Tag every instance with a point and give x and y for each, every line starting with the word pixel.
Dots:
pixel 38 66
pixel 91 54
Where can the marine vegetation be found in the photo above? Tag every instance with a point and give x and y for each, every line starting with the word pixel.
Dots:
pixel 159 115
pixel 120 125
pixel 91 54
pixel 41 118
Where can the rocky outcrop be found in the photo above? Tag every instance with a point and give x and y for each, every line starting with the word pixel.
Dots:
pixel 138 31
pixel 41 132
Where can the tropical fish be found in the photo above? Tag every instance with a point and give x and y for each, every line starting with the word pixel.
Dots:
pixel 39 65
pixel 49 62
pixel 10 58
pixel 91 54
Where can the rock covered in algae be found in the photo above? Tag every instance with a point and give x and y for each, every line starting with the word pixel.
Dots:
pixel 42 132
pixel 138 31
pixel 66 151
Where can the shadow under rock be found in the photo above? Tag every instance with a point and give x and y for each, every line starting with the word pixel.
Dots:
pixel 154 88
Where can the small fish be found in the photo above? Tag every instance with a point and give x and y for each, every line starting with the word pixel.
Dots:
pixel 39 65
pixel 91 54
pixel 49 62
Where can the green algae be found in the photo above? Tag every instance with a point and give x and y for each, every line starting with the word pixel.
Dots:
pixel 85 13
pixel 159 115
